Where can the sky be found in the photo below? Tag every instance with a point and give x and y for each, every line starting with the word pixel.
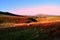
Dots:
pixel 31 7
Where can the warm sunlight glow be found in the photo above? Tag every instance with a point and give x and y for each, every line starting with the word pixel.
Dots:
pixel 50 10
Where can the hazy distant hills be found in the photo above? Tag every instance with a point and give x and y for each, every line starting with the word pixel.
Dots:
pixel 46 15
pixel 11 14
pixel 8 14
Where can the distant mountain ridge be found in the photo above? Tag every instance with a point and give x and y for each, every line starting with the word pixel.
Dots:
pixel 29 16
pixel 8 14
pixel 45 15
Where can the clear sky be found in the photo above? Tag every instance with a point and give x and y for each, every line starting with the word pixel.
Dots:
pixel 30 7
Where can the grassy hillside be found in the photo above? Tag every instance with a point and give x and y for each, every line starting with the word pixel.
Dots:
pixel 14 27
pixel 52 32
pixel 48 19
pixel 26 34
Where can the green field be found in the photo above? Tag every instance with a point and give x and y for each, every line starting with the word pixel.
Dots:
pixel 25 34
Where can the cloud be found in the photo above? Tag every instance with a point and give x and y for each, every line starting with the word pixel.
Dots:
pixel 47 9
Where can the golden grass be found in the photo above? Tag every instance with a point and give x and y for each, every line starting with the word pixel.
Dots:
pixel 48 19
pixel 12 21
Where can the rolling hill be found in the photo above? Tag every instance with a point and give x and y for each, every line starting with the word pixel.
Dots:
pixel 18 27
